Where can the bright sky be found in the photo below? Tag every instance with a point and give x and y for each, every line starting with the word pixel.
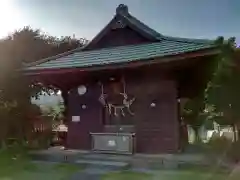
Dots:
pixel 85 18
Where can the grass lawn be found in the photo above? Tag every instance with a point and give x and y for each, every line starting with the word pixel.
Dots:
pixel 126 175
pixel 173 175
pixel 21 168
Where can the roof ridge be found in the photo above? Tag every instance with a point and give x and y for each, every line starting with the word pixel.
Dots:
pixel 144 27
pixel 97 36
pixel 122 10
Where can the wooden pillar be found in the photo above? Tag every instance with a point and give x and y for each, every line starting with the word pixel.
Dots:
pixel 65 102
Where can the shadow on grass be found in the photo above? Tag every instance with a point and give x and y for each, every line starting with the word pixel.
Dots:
pixel 68 167
pixel 18 166
pixel 204 169
pixel 126 175
pixel 192 174
pixel 184 172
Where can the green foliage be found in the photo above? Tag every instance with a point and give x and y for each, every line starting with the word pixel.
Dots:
pixel 233 153
pixel 17 165
pixel 193 114
pixel 26 45
pixel 208 124
pixel 219 145
pixel 32 44
pixel 55 111
pixel 220 100
pixel 222 93
pixel 35 110
pixel 222 147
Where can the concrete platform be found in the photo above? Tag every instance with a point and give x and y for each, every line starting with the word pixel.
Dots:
pixel 153 161
pixel 114 165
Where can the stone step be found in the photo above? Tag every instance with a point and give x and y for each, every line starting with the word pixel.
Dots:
pixel 107 157
pixel 108 164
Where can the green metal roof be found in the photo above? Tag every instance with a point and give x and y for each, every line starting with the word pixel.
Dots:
pixel 122 54
pixel 160 47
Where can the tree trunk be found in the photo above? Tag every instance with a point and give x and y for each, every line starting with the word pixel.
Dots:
pixel 238 131
pixel 184 139
pixel 3 145
pixel 185 134
pixel 197 138
pixel 3 133
pixel 234 133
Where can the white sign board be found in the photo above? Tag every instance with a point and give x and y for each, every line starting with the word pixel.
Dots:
pixel 75 118
pixel 111 143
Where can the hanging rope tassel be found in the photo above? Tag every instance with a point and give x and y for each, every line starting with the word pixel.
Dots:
pixel 102 96
pixel 127 102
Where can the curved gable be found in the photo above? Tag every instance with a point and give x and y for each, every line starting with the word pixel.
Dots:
pixel 123 29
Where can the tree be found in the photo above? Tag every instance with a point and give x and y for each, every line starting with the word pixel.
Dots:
pixel 193 114
pixel 24 46
pixel 32 45
pixel 213 101
pixel 223 90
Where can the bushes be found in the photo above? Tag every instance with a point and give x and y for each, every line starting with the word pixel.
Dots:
pixel 221 147
pixel 233 153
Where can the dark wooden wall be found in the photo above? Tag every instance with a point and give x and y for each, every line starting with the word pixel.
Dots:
pixel 90 118
pixel 119 37
pixel 157 128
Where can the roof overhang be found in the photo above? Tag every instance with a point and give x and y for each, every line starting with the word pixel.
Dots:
pixel 133 64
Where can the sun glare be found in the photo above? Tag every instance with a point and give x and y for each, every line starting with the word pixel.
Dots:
pixel 10 17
